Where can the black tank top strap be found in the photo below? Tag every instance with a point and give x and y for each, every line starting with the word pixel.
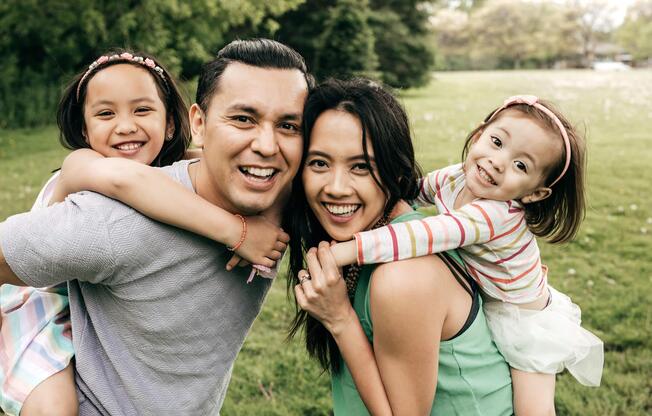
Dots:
pixel 460 274
pixel 471 287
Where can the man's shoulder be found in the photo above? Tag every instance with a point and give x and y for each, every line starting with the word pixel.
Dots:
pixel 108 207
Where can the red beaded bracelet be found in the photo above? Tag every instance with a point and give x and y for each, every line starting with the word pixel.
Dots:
pixel 242 236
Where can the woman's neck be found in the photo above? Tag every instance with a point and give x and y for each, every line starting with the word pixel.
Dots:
pixel 400 208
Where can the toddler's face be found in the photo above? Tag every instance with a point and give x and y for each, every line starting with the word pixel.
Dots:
pixel 510 159
pixel 124 115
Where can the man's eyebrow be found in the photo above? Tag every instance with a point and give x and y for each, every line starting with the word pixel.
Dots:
pixel 245 108
pixel 254 112
pixel 291 117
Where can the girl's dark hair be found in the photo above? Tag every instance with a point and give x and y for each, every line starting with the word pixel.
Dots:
pixel 70 113
pixel 558 217
pixel 385 124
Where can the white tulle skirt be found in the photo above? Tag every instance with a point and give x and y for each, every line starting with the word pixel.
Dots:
pixel 546 341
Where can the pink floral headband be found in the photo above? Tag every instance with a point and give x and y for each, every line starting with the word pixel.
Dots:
pixel 125 56
pixel 533 101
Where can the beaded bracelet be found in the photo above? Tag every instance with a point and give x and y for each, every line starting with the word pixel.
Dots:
pixel 242 236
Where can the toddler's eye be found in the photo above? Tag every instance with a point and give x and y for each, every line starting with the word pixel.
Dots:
pixel 143 110
pixel 105 113
pixel 521 166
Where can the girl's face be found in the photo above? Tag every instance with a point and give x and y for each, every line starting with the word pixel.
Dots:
pixel 124 115
pixel 337 180
pixel 510 158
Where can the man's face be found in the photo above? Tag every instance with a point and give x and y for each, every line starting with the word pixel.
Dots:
pixel 251 137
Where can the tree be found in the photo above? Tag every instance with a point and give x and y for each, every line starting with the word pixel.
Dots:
pixel 43 42
pixel 401 31
pixel 594 19
pixel 635 34
pixel 346 46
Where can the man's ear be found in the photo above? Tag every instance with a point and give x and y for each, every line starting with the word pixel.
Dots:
pixel 537 195
pixel 197 125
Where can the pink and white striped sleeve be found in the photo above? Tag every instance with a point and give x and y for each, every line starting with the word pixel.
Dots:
pixel 474 223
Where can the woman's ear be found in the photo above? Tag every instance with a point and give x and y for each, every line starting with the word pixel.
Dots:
pixel 537 195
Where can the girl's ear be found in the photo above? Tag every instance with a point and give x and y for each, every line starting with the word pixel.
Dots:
pixel 169 130
pixel 537 195
pixel 197 125
pixel 477 135
pixel 84 135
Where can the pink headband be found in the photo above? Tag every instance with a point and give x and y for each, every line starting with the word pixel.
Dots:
pixel 125 56
pixel 533 101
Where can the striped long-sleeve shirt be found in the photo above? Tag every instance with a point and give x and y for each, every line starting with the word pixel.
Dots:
pixel 499 250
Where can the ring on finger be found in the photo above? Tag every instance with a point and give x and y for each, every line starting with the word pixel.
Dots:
pixel 306 276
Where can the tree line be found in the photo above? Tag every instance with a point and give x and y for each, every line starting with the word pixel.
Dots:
pixel 43 43
pixel 508 34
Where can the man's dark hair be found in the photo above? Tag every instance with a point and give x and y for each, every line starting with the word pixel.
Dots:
pixel 263 53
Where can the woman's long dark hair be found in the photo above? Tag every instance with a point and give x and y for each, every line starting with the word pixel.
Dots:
pixel 385 124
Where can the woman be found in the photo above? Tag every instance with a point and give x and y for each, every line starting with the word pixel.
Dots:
pixel 431 347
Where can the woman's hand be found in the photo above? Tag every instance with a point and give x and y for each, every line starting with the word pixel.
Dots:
pixel 322 291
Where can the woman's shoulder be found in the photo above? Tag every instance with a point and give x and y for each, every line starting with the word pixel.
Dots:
pixel 402 280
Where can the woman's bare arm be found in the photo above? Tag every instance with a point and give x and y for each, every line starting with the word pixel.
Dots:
pixel 158 196
pixel 409 317
pixel 324 296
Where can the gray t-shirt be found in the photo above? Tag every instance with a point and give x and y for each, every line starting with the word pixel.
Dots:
pixel 157 321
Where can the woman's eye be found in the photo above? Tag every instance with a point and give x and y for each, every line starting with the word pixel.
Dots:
pixel 521 166
pixel 317 163
pixel 361 167
pixel 495 140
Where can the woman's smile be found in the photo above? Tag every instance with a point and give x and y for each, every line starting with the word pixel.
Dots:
pixel 337 177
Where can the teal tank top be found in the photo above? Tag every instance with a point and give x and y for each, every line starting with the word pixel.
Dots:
pixel 473 377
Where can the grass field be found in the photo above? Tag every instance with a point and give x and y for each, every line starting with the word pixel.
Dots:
pixel 607 270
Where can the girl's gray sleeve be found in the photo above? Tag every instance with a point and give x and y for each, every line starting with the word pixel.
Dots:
pixel 66 241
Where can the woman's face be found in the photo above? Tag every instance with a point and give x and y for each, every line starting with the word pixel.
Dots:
pixel 337 180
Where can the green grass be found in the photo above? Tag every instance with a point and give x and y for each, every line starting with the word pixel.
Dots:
pixel 606 270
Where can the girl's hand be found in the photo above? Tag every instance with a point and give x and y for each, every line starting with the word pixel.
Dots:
pixel 264 242
pixel 323 295
pixel 345 253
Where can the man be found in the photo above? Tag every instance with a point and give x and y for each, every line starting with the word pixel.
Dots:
pixel 157 321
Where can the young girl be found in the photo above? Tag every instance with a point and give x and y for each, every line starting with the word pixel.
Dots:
pixel 124 106
pixel 522 176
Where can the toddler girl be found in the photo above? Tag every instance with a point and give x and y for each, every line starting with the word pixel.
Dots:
pixel 125 107
pixel 522 177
